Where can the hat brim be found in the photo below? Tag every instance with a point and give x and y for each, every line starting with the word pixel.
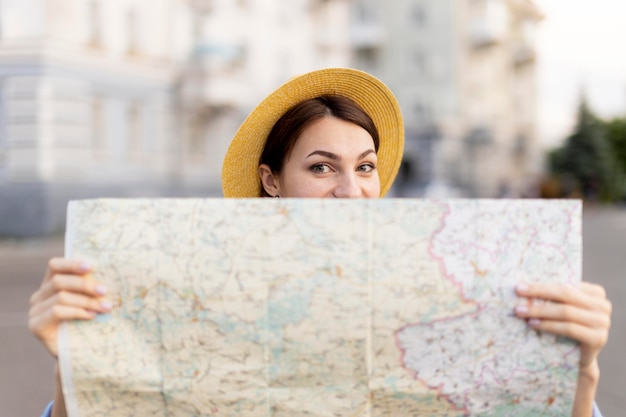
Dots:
pixel 240 177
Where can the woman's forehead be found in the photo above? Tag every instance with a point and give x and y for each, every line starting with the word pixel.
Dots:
pixel 331 133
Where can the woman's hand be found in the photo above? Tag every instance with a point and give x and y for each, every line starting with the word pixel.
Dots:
pixel 66 293
pixel 579 312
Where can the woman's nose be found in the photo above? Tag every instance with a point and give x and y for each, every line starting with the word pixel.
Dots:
pixel 348 186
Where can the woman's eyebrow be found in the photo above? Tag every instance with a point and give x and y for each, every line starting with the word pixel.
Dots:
pixel 367 152
pixel 336 157
pixel 327 154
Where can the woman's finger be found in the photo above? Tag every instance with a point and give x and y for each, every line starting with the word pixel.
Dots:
pixel 563 313
pixel 69 283
pixel 586 296
pixel 589 337
pixel 56 267
pixel 74 300
pixel 66 266
pixel 593 289
pixel 58 313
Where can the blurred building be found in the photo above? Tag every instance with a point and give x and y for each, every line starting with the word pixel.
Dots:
pixel 141 97
pixel 240 52
pixel 464 74
pixel 86 104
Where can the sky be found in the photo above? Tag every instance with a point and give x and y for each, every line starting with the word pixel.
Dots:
pixel 581 47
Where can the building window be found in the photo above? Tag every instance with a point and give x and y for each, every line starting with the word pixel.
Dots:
pixel 367 59
pixel 420 112
pixel 418 15
pixel 97 124
pixel 134 127
pixel 195 151
pixel 95 24
pixel 132 31
pixel 366 12
pixel 489 22
pixel 416 64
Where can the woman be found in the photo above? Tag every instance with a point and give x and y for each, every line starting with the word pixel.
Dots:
pixel 329 133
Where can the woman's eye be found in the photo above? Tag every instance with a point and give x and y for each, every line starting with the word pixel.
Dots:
pixel 366 167
pixel 320 168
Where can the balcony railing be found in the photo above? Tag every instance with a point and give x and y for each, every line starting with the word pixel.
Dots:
pixel 484 33
pixel 523 54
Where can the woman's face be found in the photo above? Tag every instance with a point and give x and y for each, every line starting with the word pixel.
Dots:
pixel 331 158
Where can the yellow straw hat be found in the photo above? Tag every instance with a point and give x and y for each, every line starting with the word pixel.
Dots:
pixel 240 177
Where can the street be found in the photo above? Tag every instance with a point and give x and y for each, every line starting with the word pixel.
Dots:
pixel 27 370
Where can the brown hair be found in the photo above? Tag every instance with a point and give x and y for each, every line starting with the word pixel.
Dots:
pixel 288 128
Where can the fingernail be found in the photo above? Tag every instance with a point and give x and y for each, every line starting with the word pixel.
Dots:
pixel 534 322
pixel 84 266
pixel 521 309
pixel 101 289
pixel 106 305
pixel 522 287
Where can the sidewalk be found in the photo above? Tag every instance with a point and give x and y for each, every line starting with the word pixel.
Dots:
pixel 25 379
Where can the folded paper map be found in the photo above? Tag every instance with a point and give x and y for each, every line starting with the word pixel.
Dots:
pixel 287 307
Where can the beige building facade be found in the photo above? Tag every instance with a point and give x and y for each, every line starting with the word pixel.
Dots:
pixel 464 73
pixel 240 52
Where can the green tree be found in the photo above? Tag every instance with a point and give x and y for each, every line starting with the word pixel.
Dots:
pixel 584 164
pixel 616 135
